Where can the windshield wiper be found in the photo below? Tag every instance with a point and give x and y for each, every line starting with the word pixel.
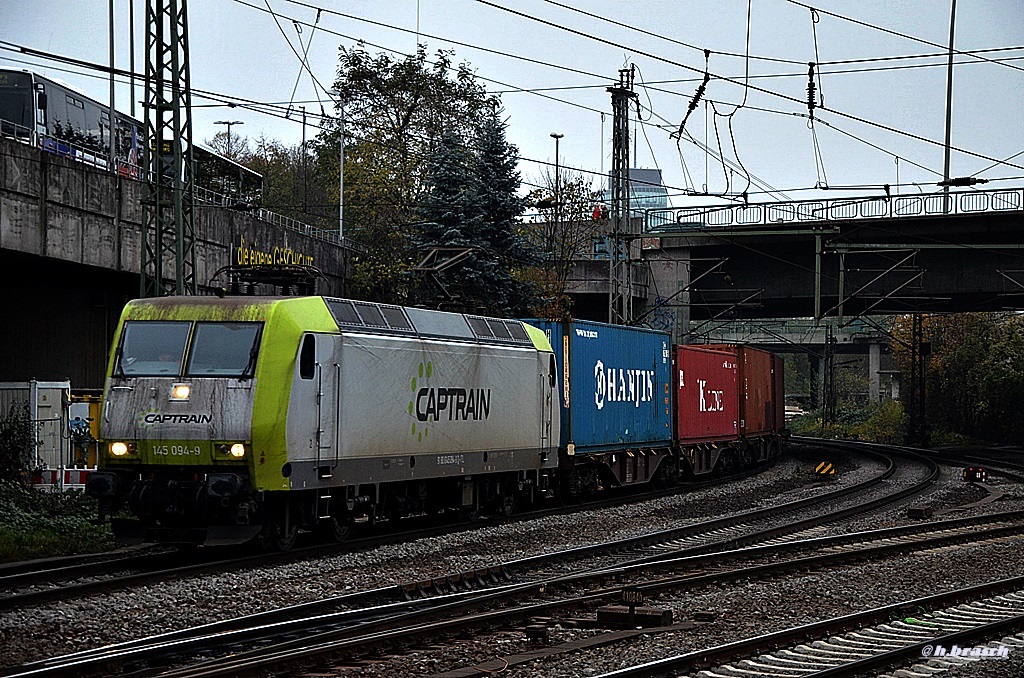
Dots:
pixel 250 367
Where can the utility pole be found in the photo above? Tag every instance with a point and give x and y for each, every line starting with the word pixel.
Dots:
pixel 828 396
pixel 112 120
pixel 920 349
pixel 341 176
pixel 620 288
pixel 949 109
pixel 168 231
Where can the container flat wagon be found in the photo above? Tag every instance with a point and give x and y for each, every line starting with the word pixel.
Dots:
pixel 616 410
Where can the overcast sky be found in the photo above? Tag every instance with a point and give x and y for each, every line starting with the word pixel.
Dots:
pixel 876 110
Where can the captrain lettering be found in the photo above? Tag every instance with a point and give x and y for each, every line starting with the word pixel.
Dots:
pixel 453 404
pixel 157 418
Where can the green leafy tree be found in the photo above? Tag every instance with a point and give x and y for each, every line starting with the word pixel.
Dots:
pixel 291 186
pixel 396 111
pixel 975 373
pixel 235 147
pixel 563 234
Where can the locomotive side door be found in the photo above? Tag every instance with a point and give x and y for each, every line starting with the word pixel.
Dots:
pixel 548 384
pixel 314 401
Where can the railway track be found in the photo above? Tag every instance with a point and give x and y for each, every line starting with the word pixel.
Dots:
pixel 363 628
pixel 32 583
pixel 396 622
pixel 25 584
pixel 878 639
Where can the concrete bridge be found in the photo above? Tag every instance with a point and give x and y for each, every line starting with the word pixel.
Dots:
pixel 839 258
pixel 70 256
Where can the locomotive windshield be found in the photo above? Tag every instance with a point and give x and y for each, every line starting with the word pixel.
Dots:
pixel 152 348
pixel 224 350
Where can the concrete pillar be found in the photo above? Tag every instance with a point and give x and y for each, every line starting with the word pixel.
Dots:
pixel 681 329
pixel 874 378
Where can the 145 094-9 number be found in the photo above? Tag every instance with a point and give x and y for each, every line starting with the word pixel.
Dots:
pixel 176 450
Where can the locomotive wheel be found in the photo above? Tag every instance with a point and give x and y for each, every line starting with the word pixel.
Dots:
pixel 507 503
pixel 336 529
pixel 280 532
pixel 283 536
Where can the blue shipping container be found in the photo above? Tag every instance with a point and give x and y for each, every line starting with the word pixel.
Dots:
pixel 615 392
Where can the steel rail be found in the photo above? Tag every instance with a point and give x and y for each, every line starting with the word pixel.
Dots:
pixel 384 636
pixel 439 620
pixel 705 658
pixel 51 572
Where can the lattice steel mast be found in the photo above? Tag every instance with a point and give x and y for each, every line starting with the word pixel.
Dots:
pixel 168 232
pixel 620 288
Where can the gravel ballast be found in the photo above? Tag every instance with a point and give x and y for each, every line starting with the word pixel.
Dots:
pixel 79 624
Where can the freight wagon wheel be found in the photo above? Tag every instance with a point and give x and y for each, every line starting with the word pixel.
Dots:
pixel 667 474
pixel 589 481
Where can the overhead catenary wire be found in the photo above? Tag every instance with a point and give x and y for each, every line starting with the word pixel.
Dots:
pixel 762 90
pixel 539 90
pixel 856 118
pixel 304 66
pixel 519 89
pixel 271 108
pixel 898 34
pixel 400 52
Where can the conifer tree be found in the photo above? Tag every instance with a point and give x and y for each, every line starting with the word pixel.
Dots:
pixel 472 200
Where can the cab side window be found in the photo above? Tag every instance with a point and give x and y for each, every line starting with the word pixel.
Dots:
pixel 307 357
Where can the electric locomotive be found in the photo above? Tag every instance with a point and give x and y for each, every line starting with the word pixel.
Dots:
pixel 229 419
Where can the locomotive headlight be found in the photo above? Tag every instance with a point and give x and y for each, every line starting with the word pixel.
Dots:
pixel 180 391
pixel 236 450
pixel 119 449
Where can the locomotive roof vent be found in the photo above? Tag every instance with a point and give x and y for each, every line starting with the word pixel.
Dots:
pixel 370 315
pixel 424 322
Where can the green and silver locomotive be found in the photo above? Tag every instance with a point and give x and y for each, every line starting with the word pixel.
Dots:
pixel 224 420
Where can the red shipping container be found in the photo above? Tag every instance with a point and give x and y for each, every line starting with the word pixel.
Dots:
pixel 757 408
pixel 707 394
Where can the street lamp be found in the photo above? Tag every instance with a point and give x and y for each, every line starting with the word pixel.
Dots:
pixel 229 123
pixel 558 194
pixel 341 164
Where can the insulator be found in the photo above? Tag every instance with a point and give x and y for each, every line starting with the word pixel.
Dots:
pixel 812 89
pixel 694 102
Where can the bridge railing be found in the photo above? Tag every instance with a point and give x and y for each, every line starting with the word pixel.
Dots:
pixel 686 219
pixel 133 171
pixel 67 149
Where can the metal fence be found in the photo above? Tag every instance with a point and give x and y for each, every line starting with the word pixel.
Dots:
pixel 132 171
pixel 686 219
